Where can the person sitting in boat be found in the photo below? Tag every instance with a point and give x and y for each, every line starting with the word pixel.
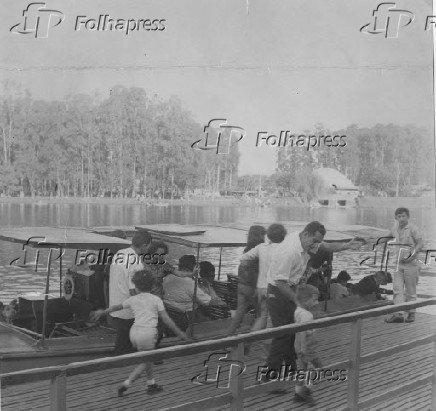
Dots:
pixel 339 288
pixel 179 291
pixel 318 270
pixel 207 276
pixel 159 267
pixel 371 284
pixel 9 312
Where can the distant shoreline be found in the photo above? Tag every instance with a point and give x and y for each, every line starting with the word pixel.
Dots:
pixel 364 202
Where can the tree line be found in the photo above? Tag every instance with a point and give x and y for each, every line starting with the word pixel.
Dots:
pixel 126 144
pixel 129 143
pixel 384 159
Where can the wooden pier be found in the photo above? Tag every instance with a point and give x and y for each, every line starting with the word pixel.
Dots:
pixel 381 360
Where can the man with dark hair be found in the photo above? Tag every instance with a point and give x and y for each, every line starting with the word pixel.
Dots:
pixel 408 243
pixel 187 262
pixel 179 290
pixel 287 265
pixel 124 264
pixel 371 284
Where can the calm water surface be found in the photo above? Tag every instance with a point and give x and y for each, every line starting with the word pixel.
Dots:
pixel 14 281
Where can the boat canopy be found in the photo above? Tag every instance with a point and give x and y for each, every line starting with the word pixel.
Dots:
pixel 199 236
pixel 50 237
pixel 235 235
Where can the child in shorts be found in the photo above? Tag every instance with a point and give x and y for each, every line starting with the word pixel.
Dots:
pixel 147 309
pixel 305 342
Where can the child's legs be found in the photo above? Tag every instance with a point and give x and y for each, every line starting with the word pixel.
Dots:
pixel 411 275
pixel 302 365
pixel 143 339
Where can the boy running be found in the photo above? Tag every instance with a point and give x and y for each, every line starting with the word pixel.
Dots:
pixel 147 309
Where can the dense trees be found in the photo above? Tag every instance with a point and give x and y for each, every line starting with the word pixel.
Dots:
pixel 383 158
pixel 126 144
pixel 130 143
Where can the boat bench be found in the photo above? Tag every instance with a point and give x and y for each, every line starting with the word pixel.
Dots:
pixel 228 291
pixel 59 311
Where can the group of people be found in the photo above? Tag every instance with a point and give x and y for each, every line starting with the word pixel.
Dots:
pixel 138 293
pixel 272 277
pixel 276 272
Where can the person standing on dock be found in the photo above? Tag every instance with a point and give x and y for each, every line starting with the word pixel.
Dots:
pixel 287 266
pixel 248 273
pixel 305 341
pixel 407 270
pixel 124 264
pixel 147 309
pixel 258 257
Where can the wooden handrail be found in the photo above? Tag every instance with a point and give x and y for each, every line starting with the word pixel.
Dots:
pixel 58 374
pixel 203 346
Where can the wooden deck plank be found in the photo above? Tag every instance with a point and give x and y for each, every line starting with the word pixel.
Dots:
pixel 97 391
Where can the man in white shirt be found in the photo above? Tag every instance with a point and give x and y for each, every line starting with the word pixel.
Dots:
pixel 408 243
pixel 287 264
pixel 124 264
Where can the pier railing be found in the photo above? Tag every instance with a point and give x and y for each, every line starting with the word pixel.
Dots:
pixel 58 375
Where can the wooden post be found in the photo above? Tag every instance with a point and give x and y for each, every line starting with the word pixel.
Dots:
pixel 60 271
pixel 433 390
pixel 47 290
pixel 58 392
pixel 236 378
pixel 353 372
pixel 194 298
pixel 219 266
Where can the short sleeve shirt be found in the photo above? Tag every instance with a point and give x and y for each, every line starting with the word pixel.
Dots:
pixel 288 261
pixel 406 238
pixel 263 252
pixel 146 308
pixel 305 342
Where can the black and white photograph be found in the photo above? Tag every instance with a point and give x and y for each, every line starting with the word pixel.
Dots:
pixel 217 205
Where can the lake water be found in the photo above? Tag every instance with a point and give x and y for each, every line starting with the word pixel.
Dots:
pixel 14 281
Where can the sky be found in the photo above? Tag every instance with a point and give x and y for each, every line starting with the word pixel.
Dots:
pixel 262 65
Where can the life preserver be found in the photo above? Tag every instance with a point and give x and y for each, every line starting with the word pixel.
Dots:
pixel 68 287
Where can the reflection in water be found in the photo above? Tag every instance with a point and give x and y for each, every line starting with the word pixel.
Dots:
pixel 20 280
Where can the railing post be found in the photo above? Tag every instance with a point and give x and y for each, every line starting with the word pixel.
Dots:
pixel 236 378
pixel 354 370
pixel 58 392
pixel 433 389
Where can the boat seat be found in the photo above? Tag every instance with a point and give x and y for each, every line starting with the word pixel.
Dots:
pixel 179 317
pixel 233 291
pixel 60 311
pixel 216 312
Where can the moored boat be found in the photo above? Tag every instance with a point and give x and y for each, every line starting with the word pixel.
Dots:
pixel 52 330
